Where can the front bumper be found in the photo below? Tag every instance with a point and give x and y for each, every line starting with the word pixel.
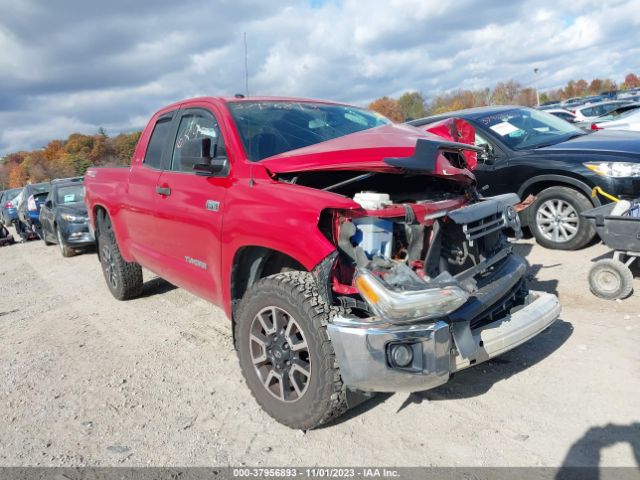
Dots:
pixel 362 350
pixel 77 235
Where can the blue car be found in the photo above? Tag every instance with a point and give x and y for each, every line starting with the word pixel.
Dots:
pixel 8 206
pixel 31 199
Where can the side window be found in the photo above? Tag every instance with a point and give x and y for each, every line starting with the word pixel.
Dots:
pixel 196 125
pixel 587 112
pixel 157 142
pixel 480 141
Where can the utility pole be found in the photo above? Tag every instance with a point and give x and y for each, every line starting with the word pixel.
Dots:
pixel 535 73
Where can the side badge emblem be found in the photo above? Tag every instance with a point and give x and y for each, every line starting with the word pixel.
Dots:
pixel 213 206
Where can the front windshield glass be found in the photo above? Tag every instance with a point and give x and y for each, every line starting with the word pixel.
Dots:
pixel 526 128
pixel 70 194
pixel 268 128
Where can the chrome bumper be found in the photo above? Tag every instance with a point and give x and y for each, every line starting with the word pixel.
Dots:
pixel 361 350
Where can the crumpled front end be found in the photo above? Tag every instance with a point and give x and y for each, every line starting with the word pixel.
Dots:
pixel 429 288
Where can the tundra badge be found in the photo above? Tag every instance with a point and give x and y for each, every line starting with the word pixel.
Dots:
pixel 213 205
pixel 195 262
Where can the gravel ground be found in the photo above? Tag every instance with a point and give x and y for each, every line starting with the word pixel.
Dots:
pixel 86 380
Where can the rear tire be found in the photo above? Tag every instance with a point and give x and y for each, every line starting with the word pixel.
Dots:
pixel 610 279
pixel 285 353
pixel 124 279
pixel 555 221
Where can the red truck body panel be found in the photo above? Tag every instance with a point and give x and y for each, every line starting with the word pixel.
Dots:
pixel 165 233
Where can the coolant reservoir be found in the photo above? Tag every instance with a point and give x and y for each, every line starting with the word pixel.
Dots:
pixel 372 200
pixel 374 235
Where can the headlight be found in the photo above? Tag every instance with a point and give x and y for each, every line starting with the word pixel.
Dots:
pixel 614 169
pixel 408 305
pixel 73 218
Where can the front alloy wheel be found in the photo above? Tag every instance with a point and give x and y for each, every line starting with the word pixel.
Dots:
pixel 280 354
pixel 285 353
pixel 557 220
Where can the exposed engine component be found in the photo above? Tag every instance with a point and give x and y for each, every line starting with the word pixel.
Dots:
pixel 372 200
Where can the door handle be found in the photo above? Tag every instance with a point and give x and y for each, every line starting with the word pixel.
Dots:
pixel 164 191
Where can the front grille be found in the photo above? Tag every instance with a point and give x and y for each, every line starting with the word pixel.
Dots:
pixel 484 227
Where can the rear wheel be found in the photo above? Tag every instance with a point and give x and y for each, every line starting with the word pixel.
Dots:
pixel 64 249
pixel 555 221
pixel 124 279
pixel 285 353
pixel 610 279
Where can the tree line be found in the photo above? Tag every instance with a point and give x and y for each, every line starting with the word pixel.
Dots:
pixel 66 158
pixel 412 105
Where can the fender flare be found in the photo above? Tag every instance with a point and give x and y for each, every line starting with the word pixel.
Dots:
pixel 560 180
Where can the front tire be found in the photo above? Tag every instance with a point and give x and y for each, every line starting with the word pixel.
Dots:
pixel 285 352
pixel 610 279
pixel 124 279
pixel 554 219
pixel 64 249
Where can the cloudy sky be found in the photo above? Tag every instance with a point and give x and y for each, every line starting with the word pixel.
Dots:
pixel 68 66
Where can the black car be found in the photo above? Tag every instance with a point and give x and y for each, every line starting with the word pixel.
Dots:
pixel 64 217
pixel 529 151
pixel 30 200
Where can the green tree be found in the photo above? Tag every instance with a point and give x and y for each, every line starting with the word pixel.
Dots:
pixel 412 105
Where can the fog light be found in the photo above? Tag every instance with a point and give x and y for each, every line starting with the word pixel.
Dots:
pixel 401 355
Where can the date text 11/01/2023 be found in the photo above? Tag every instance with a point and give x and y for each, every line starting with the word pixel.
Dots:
pixel 314 473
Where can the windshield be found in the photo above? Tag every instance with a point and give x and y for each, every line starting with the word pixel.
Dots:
pixel 70 194
pixel 268 128
pixel 525 128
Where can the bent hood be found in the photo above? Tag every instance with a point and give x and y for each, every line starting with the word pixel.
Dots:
pixel 361 151
pixel 602 141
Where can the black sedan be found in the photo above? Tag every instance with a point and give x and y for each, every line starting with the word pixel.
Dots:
pixel 64 217
pixel 529 151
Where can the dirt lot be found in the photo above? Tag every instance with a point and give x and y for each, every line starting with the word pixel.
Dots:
pixel 87 380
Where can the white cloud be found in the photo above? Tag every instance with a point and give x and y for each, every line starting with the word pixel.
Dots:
pixel 66 67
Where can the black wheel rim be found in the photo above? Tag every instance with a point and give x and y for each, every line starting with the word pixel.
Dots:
pixel 280 354
pixel 109 266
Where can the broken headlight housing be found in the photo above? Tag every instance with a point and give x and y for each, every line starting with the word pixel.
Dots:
pixel 399 306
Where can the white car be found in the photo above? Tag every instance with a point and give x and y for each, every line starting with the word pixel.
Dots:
pixel 562 113
pixel 586 113
pixel 629 120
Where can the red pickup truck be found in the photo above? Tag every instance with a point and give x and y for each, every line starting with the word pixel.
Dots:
pixel 351 254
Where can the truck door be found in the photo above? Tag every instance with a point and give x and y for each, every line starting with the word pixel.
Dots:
pixel 190 209
pixel 140 212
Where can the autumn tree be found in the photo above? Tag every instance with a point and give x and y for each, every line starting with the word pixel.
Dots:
pixel 388 107
pixel 631 80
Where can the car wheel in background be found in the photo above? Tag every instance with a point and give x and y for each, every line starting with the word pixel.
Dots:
pixel 124 279
pixel 285 353
pixel 64 249
pixel 554 219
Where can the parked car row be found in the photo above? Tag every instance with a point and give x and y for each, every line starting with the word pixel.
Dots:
pixel 614 114
pixel 53 212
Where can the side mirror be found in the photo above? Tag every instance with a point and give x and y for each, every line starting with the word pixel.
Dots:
pixel 48 204
pixel 200 154
pixel 488 155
